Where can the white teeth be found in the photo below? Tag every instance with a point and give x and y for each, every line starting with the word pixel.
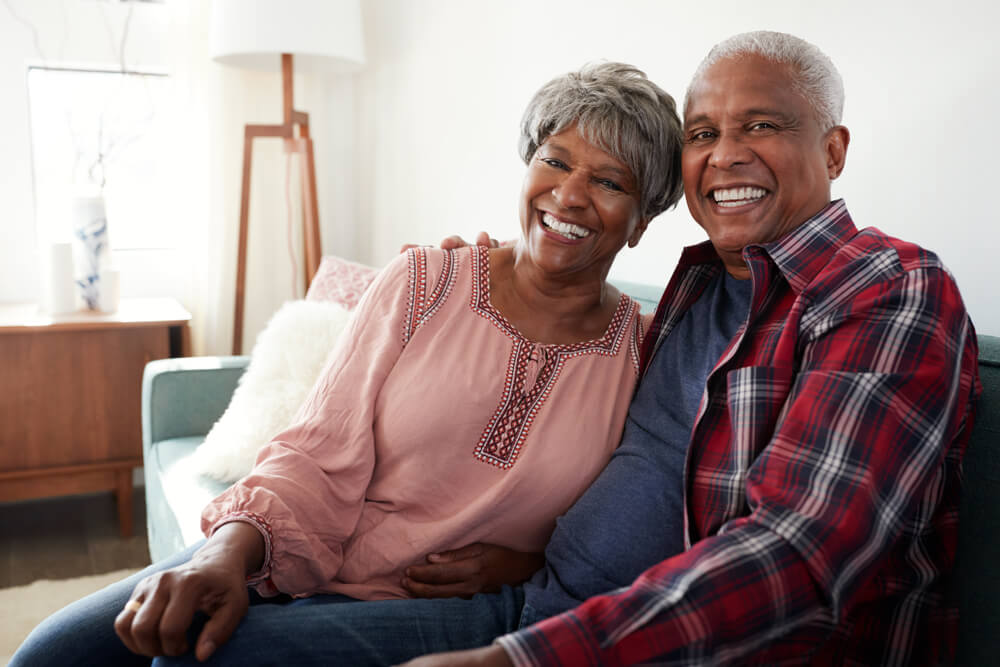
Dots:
pixel 567 229
pixel 731 197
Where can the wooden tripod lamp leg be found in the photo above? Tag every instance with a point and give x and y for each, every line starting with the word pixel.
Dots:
pixel 312 251
pixel 241 257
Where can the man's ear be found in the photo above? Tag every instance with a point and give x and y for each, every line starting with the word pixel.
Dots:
pixel 637 233
pixel 836 150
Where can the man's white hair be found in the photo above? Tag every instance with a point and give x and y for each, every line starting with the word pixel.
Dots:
pixel 815 76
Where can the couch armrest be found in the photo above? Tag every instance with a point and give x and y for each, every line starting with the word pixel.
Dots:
pixel 186 396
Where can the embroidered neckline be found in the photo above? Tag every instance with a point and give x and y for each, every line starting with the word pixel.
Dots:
pixel 531 376
pixel 481 304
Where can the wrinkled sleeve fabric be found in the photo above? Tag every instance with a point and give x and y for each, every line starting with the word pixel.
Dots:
pixel 855 460
pixel 307 489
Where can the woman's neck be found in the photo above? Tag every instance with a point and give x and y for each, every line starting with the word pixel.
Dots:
pixel 547 308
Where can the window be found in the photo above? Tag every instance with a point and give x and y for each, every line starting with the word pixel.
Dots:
pixel 101 127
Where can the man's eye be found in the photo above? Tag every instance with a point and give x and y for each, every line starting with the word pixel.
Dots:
pixel 762 125
pixel 701 136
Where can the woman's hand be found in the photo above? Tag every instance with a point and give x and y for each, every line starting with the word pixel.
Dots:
pixel 489 656
pixel 162 606
pixel 476 568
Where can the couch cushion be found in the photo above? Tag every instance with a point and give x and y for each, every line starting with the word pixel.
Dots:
pixel 340 281
pixel 183 491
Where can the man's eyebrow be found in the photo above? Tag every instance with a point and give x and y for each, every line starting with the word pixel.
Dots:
pixel 695 120
pixel 783 116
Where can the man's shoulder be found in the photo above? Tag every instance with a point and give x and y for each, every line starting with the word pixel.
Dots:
pixel 911 256
pixel 871 256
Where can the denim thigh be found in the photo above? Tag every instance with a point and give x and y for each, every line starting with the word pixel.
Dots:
pixel 335 630
pixel 83 633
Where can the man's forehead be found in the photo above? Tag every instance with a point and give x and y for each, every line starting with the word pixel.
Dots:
pixel 743 86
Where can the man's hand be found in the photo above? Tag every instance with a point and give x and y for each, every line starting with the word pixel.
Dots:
pixel 489 656
pixel 476 568
pixel 162 606
pixel 455 242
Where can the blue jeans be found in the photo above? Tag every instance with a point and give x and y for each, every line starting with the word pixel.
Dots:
pixel 320 630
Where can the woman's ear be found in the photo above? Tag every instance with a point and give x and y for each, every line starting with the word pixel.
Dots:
pixel 640 229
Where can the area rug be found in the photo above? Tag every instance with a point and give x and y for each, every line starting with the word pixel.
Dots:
pixel 24 607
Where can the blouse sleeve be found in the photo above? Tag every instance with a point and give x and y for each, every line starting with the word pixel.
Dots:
pixel 306 491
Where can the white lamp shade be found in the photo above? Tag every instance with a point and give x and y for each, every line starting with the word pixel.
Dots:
pixel 321 34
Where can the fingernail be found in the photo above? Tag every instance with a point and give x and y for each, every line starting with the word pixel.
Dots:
pixel 207 649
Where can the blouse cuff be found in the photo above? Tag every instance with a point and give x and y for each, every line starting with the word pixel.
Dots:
pixel 261 579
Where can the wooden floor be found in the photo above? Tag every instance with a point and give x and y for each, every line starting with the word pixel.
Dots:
pixel 61 538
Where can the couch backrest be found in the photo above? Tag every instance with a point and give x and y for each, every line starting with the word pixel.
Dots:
pixel 978 566
pixel 647 295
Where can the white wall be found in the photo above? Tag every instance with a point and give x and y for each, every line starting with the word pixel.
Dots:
pixel 422 143
pixel 448 79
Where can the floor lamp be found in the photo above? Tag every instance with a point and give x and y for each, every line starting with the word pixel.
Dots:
pixel 259 34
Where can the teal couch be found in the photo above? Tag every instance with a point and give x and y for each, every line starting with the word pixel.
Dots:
pixel 182 398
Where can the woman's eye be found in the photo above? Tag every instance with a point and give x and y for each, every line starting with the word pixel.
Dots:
pixel 553 162
pixel 610 185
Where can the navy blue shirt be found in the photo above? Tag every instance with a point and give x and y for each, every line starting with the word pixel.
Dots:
pixel 631 517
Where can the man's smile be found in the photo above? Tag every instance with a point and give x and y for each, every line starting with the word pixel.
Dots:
pixel 739 196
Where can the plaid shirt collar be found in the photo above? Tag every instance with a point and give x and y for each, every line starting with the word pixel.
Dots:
pixel 799 255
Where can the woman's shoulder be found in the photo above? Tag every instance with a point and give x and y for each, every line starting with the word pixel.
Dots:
pixel 430 267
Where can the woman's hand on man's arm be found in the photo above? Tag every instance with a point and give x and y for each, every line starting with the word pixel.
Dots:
pixel 213 582
pixel 475 568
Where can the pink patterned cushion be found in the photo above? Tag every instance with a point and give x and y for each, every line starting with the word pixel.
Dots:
pixel 340 281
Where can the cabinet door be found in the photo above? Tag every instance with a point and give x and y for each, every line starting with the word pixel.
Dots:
pixel 73 397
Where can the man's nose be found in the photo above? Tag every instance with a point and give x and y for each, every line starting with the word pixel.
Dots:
pixel 572 190
pixel 729 151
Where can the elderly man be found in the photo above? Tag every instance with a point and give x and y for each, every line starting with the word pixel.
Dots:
pixel 823 470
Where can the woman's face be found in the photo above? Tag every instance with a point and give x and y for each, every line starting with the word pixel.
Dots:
pixel 579 206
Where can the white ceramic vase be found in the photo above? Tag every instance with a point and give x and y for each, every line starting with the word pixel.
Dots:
pixel 91 248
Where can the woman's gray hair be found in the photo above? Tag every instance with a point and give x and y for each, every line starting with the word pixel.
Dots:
pixel 616 108
pixel 815 76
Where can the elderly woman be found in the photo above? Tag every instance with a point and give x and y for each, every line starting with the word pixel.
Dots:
pixel 476 394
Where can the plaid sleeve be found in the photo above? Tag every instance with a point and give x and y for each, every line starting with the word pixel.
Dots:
pixel 852 470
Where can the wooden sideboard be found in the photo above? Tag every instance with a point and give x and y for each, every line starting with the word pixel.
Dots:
pixel 70 389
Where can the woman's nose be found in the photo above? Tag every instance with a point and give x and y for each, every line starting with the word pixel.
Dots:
pixel 571 191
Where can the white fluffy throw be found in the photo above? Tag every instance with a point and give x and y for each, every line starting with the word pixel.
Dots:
pixel 286 360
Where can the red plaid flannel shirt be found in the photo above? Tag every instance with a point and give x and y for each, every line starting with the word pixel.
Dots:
pixel 823 475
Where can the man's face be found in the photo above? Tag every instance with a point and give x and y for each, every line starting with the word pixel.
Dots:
pixel 756 164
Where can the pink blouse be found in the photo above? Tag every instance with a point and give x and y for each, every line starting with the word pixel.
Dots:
pixel 434 424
